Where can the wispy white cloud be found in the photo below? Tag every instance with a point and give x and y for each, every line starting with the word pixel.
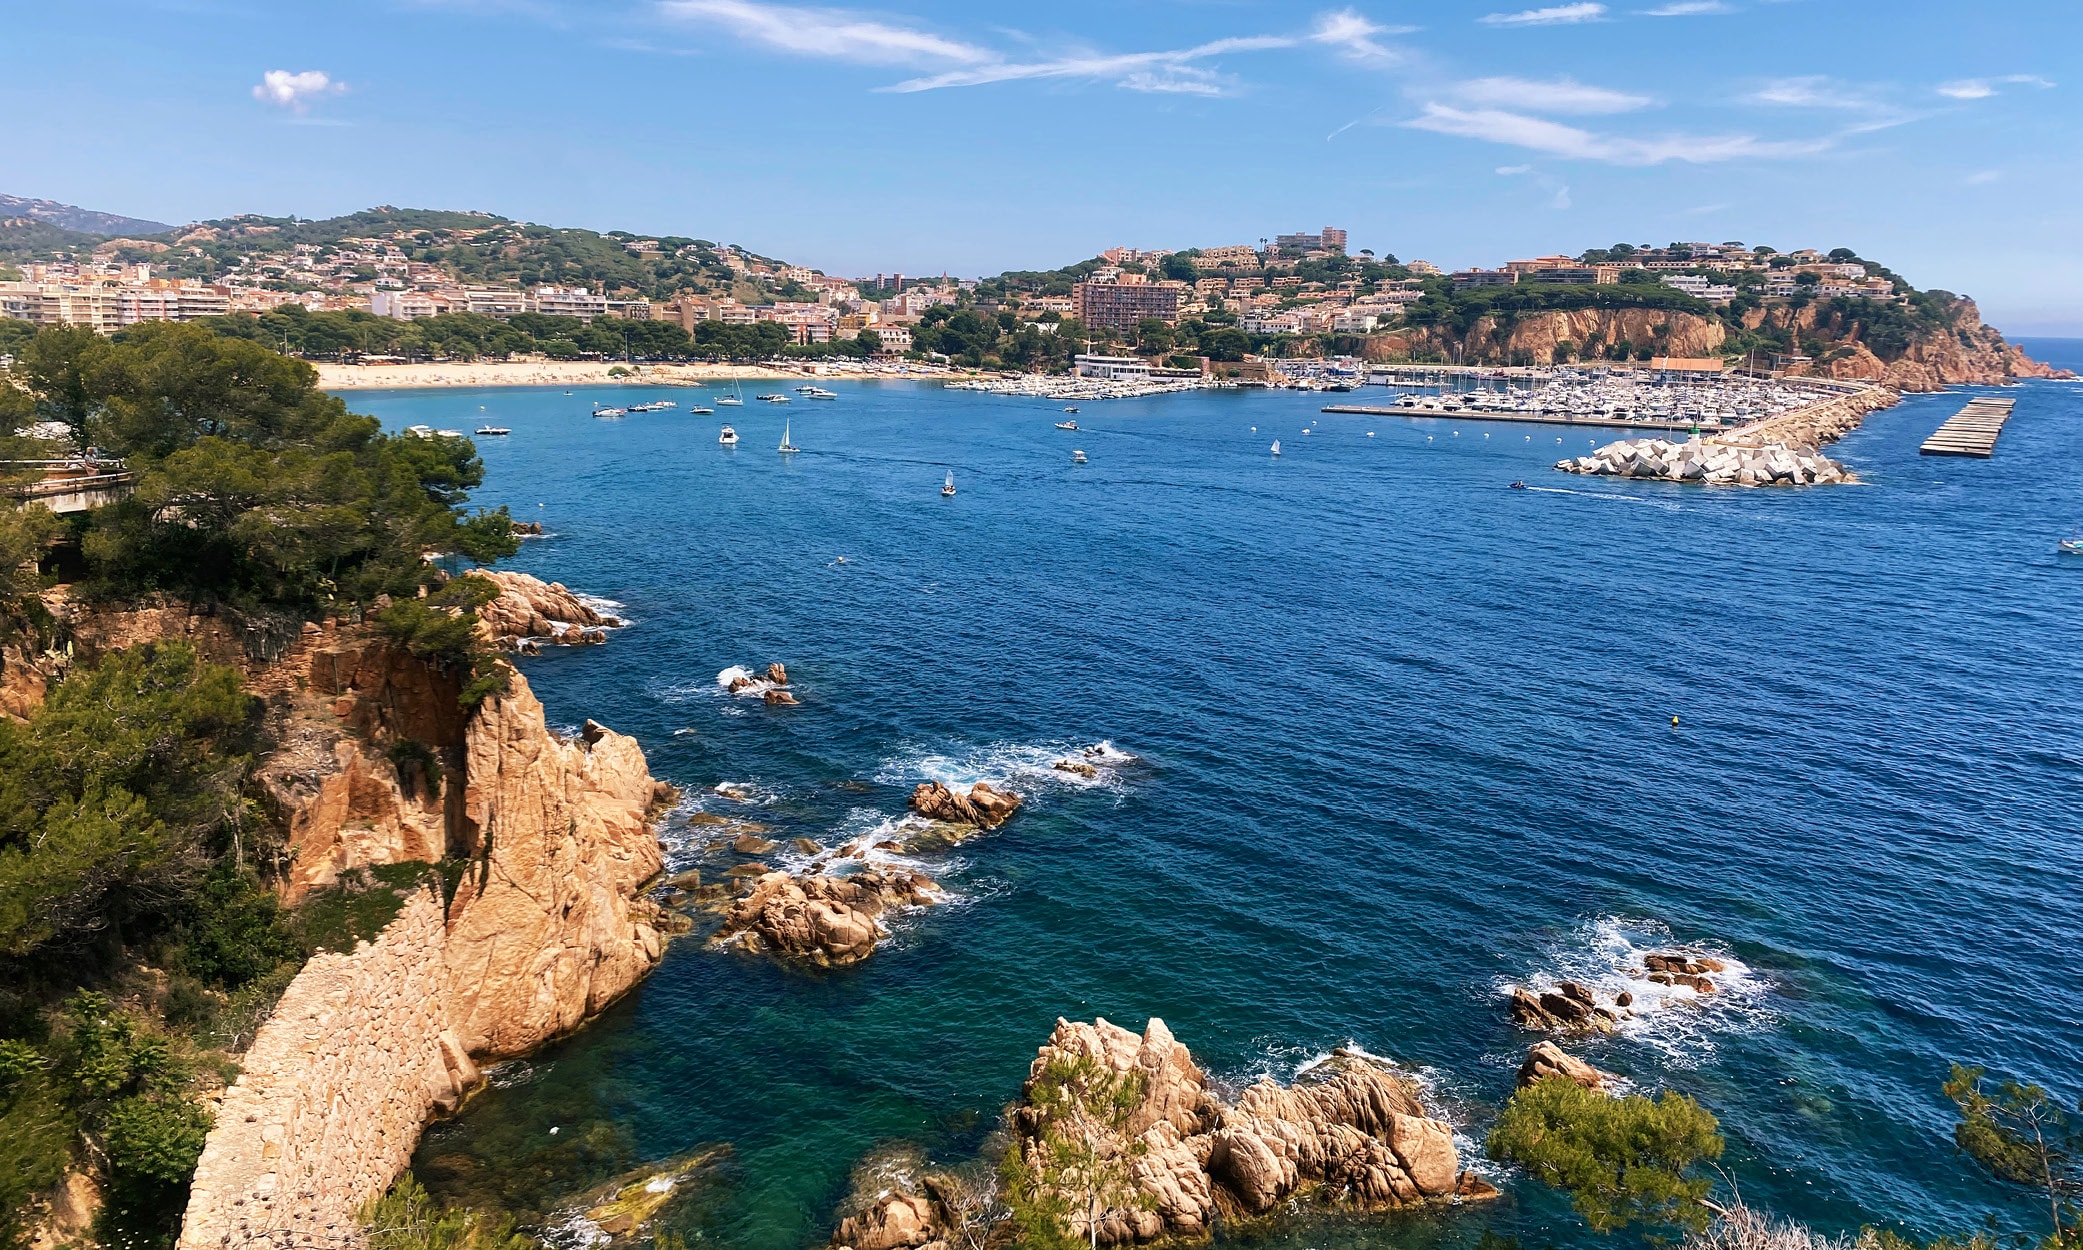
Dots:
pixel 952 61
pixel 1539 134
pixel 1983 178
pixel 1867 109
pixel 1555 15
pixel 1172 70
pixel 1356 36
pixel 1983 88
pixel 1688 8
pixel 1513 171
pixel 833 34
pixel 284 89
pixel 1556 95
pixel 1813 91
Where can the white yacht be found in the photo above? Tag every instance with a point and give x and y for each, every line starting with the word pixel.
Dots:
pixel 729 437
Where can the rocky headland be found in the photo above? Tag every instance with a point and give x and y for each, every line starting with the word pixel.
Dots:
pixel 529 919
pixel 1951 348
pixel 1349 1132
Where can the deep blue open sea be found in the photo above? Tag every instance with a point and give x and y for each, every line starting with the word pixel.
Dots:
pixel 1401 737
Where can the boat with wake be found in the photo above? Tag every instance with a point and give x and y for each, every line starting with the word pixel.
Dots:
pixel 493 429
pixel 1066 425
pixel 729 437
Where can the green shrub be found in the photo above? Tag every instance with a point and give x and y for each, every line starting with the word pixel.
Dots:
pixel 407 1218
pixel 1623 1160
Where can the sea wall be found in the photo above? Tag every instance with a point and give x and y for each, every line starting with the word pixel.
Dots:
pixel 1777 451
pixel 332 1093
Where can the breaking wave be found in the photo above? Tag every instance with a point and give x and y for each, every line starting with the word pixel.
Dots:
pixel 1676 1020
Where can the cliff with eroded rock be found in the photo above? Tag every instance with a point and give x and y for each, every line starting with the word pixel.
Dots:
pixel 1555 337
pixel 1933 341
pixel 370 758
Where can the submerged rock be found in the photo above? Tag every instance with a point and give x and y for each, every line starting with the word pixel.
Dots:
pixel 624 1206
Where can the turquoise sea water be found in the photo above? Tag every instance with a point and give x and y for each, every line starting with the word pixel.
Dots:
pixel 1402 736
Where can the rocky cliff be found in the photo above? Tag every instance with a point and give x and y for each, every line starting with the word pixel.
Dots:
pixel 1546 338
pixel 1943 343
pixel 546 927
pixel 371 759
pixel 1959 350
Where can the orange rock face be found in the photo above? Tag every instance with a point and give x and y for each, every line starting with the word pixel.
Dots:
pixel 529 608
pixel 546 928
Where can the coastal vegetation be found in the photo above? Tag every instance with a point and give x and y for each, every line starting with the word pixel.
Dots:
pixel 141 937
pixel 1622 1160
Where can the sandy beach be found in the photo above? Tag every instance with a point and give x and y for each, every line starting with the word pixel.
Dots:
pixel 585 373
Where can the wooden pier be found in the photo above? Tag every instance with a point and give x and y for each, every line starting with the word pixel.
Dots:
pixel 1972 431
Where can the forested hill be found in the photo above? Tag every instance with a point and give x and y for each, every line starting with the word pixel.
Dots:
pixel 468 247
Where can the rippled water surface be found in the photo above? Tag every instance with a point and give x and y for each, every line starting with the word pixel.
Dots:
pixel 1402 737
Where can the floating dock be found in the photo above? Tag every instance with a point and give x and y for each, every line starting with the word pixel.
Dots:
pixel 1972 431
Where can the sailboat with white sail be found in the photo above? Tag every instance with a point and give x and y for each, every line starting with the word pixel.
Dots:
pixel 787 446
pixel 736 398
pixel 947 488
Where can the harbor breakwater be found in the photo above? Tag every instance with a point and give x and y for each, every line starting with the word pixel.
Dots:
pixel 1782 450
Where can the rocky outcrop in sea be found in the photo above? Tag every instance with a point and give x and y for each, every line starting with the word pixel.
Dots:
pixel 530 612
pixel 823 920
pixel 1348 1132
pixel 981 805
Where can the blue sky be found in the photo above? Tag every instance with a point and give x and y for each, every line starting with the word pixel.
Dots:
pixel 1944 139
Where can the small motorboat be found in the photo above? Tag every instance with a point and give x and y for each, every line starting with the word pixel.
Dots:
pixel 816 392
pixel 493 429
pixel 775 398
pixel 702 412
pixel 1518 486
pixel 599 411
pixel 2072 546
pixel 1066 425
pixel 728 438
pixel 947 488
pixel 1077 457
pixel 1071 409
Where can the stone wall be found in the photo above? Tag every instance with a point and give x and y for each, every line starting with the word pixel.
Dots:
pixel 329 1104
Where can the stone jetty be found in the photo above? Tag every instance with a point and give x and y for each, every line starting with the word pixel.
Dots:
pixel 1782 450
pixel 1715 463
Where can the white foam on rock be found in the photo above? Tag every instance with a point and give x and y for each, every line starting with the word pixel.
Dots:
pixel 1676 1020
pixel 1024 767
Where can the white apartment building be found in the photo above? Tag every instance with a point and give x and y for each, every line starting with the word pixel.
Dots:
pixel 558 301
pixel 1695 285
pixel 493 301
